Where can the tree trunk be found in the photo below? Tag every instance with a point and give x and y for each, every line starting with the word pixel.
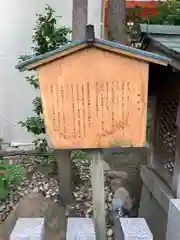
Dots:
pixel 117 20
pixel 79 19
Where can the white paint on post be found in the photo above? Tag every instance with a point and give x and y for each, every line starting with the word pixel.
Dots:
pixel 80 228
pixel 95 16
pixel 134 229
pixel 28 228
pixel 173 229
pixel 97 179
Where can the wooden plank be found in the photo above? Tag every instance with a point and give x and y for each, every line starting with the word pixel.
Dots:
pixel 94 100
pixel 80 228
pixel 97 179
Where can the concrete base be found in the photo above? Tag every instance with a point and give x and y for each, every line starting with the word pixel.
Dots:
pixel 154 205
pixel 80 228
pixel 28 228
pixel 133 229
pixel 173 229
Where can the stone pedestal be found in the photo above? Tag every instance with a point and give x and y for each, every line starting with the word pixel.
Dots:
pixel 80 228
pixel 133 229
pixel 28 228
pixel 173 229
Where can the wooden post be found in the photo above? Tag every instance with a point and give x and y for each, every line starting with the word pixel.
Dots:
pixel 97 179
pixel 79 19
pixel 63 160
pixel 117 20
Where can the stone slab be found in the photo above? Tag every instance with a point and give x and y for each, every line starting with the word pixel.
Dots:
pixel 173 227
pixel 81 229
pixel 35 205
pixel 28 228
pixel 134 229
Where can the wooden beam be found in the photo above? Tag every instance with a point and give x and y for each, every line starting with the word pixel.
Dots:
pixel 4 153
pixel 97 179
pixel 63 160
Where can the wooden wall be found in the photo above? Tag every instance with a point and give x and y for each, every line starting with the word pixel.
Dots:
pixel 94 98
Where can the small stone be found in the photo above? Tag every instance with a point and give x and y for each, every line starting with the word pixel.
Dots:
pixel 89 210
pixel 117 174
pixel 77 206
pixel 35 190
pixel 123 195
pixel 53 194
pixel 109 198
pixel 48 196
pixel 2 208
pixel 110 238
pixel 46 186
pixel 110 232
pixel 115 184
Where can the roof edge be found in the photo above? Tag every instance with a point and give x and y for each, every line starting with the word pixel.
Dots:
pixel 118 48
pixel 26 65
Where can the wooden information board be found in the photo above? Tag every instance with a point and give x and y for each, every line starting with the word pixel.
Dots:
pixel 94 99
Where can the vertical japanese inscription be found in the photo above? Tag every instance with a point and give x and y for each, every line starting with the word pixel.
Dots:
pixel 63 111
pixel 79 116
pixel 73 111
pixel 53 111
pixel 102 106
pixel 107 93
pixel 97 100
pixel 128 102
pixel 89 104
pixel 123 108
pixel 83 110
pixel 112 104
pixel 58 114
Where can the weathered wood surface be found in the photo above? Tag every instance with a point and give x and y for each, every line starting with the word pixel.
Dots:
pixel 107 151
pixel 4 153
pixel 63 160
pixel 117 20
pixel 97 179
pixel 133 229
pixel 80 228
pixel 79 19
pixel 28 228
pixel 101 100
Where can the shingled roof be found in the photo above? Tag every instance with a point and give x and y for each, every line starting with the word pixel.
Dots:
pixel 166 37
pixel 90 41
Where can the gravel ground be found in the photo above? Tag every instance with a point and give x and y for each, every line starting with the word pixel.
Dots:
pixel 36 181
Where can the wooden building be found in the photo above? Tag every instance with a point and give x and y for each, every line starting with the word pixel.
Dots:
pixel 94 93
pixel 165 91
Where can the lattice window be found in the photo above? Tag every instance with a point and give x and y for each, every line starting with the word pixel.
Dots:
pixel 167 131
